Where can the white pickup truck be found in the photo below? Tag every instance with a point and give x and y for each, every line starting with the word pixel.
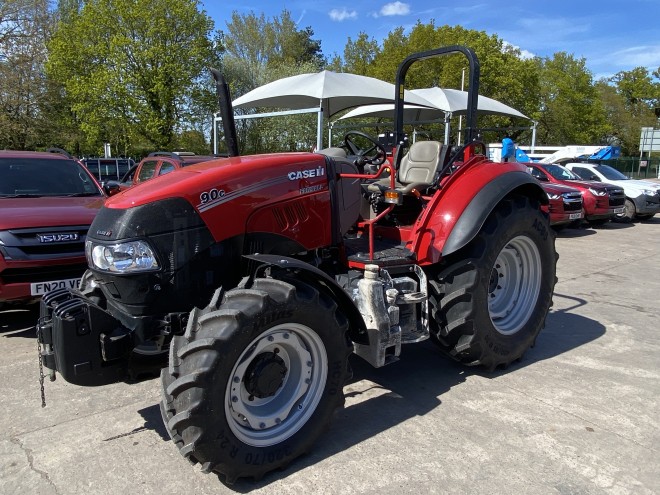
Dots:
pixel 642 196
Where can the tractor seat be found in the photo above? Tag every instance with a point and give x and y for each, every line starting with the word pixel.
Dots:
pixel 417 170
pixel 333 152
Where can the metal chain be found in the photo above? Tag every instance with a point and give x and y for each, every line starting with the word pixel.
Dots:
pixel 41 369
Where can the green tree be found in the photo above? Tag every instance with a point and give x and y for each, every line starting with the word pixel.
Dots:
pixel 129 68
pixel 505 74
pixel 257 50
pixel 24 27
pixel 570 108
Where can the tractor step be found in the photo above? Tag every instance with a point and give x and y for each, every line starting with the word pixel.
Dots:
pixel 386 252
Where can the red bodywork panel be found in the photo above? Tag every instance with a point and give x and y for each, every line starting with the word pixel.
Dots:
pixel 429 234
pixel 285 194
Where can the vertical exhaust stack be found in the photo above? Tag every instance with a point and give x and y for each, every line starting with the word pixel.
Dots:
pixel 226 112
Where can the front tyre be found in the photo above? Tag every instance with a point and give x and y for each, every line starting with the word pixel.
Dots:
pixel 490 300
pixel 256 378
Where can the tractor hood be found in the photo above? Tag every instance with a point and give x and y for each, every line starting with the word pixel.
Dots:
pixel 48 212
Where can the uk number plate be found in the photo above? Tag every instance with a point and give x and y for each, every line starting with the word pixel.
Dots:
pixel 41 288
pixel 575 216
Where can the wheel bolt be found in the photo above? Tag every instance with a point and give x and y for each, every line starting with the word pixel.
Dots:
pixel 309 364
pixel 308 381
pixel 236 379
pixel 234 399
pixel 251 398
pixel 286 335
pixel 262 425
pixel 270 338
pixel 278 420
pixel 276 350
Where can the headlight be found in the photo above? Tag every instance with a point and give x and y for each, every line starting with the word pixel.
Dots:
pixel 598 192
pixel 124 257
pixel 648 192
pixel 554 196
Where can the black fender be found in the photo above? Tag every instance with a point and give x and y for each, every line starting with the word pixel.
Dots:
pixel 322 281
pixel 480 207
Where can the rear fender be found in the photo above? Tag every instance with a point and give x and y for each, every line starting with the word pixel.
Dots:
pixel 323 282
pixel 458 211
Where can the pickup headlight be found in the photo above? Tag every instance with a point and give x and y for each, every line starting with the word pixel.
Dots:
pixel 649 192
pixel 598 192
pixel 123 257
pixel 554 196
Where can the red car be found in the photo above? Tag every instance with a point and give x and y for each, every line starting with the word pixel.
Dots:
pixel 601 201
pixel 154 165
pixel 47 203
pixel 565 204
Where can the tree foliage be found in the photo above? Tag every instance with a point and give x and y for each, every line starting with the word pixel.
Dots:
pixel 24 26
pixel 129 68
pixel 257 50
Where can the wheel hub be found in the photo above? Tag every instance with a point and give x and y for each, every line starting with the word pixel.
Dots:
pixel 265 375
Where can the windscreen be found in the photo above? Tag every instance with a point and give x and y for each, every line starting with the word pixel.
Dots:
pixel 35 177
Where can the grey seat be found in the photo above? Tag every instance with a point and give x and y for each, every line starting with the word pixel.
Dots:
pixel 417 169
pixel 334 152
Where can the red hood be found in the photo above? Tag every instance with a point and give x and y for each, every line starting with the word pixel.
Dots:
pixel 48 212
pixel 557 188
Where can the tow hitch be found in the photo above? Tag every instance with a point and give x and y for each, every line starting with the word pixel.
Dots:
pixel 81 341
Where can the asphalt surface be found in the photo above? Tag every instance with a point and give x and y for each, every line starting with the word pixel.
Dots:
pixel 578 415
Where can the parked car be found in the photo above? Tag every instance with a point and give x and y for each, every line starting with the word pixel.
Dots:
pixel 156 164
pixel 47 203
pixel 642 197
pixel 565 205
pixel 601 202
pixel 107 169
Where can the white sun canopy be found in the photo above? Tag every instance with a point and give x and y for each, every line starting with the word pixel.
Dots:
pixel 325 93
pixel 445 103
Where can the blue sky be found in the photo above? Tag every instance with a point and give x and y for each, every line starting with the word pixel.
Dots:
pixel 612 35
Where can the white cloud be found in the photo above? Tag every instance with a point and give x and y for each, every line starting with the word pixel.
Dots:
pixel 395 8
pixel 340 15
pixel 524 54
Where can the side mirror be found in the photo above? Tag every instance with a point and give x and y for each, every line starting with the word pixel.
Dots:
pixel 111 187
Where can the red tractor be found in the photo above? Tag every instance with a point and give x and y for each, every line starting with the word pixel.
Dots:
pixel 262 274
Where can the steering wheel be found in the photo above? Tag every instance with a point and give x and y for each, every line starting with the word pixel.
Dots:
pixel 373 155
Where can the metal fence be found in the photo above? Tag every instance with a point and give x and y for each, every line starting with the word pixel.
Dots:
pixel 645 168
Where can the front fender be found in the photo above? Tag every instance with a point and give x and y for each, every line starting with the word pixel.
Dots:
pixel 322 281
pixel 458 211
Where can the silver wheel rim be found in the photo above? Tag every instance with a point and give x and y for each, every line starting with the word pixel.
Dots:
pixel 265 421
pixel 515 284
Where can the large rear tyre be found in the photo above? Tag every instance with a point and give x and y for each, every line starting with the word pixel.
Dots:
pixel 256 377
pixel 490 300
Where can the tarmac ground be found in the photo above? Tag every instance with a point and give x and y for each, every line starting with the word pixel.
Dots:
pixel 578 415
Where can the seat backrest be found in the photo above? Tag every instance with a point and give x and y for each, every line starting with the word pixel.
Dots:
pixel 333 152
pixel 420 164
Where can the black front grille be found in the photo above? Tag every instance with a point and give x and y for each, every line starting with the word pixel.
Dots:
pixel 42 273
pixel 572 206
pixel 30 245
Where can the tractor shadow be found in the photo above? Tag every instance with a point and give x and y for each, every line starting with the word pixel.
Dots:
pixel 19 321
pixel 379 399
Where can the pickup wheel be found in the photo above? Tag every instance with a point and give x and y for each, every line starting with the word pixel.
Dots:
pixel 489 301
pixel 628 214
pixel 256 377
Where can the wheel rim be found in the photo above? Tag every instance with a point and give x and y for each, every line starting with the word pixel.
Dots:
pixel 276 384
pixel 515 284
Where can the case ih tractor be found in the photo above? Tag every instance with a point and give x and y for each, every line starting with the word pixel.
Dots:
pixel 262 274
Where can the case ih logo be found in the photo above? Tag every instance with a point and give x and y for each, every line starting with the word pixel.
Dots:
pixel 307 174
pixel 58 237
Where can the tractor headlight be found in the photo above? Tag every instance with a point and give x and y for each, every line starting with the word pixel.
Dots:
pixel 123 257
pixel 598 192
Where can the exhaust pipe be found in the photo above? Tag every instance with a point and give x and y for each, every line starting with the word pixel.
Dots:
pixel 226 112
